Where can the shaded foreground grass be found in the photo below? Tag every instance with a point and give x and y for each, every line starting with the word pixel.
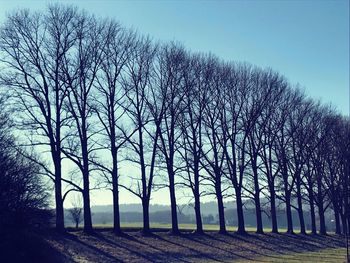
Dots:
pixel 104 246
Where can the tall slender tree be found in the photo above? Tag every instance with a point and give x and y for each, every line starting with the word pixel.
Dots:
pixel 33 47
pixel 142 114
pixel 80 71
pixel 110 103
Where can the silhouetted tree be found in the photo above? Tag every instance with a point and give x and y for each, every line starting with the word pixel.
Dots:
pixel 110 103
pixel 172 59
pixel 33 46
pixel 191 123
pixel 79 74
pixel 23 193
pixel 139 94
pixel 85 87
pixel 213 150
pixel 75 212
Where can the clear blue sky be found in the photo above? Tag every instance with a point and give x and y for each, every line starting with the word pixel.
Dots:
pixel 307 41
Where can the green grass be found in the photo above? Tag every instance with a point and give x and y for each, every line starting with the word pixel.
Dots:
pixel 187 227
pixel 327 255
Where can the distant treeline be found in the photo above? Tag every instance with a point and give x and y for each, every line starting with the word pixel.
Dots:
pixel 105 98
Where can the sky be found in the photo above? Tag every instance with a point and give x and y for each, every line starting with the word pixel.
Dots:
pixel 306 41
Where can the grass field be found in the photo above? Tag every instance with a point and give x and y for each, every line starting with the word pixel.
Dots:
pixel 104 246
pixel 326 255
pixel 184 227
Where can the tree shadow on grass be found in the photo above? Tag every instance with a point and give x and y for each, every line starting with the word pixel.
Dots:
pixel 295 243
pixel 157 255
pixel 220 238
pixel 275 243
pixel 188 247
pixel 198 254
pixel 98 251
pixel 304 243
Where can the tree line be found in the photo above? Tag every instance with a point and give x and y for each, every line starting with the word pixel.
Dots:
pixel 97 94
pixel 23 195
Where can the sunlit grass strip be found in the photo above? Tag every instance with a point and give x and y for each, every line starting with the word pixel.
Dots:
pixel 186 227
pixel 335 255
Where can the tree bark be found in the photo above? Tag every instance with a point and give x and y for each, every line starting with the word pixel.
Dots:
pixel 145 209
pixel 337 221
pixel 320 207
pixel 221 209
pixel 58 196
pixel 87 209
pixel 259 224
pixel 174 221
pixel 273 208
pixel 289 212
pixel 86 184
pixel 312 212
pixel 240 215
pixel 115 192
pixel 197 203
pixel 300 205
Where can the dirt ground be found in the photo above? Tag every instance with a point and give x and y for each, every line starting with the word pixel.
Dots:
pixel 104 246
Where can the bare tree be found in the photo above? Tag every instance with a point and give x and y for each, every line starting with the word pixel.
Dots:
pixel 214 140
pixel 75 212
pixel 237 124
pixel 24 197
pixel 300 137
pixel 110 104
pixel 191 123
pixel 283 149
pixel 269 129
pixel 338 161
pixel 33 46
pixel 172 59
pixel 80 70
pixel 138 91
pixel 84 88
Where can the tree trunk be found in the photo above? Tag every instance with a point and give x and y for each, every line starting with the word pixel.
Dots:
pixel 87 209
pixel 174 222
pixel 344 224
pixel 287 193
pixel 312 207
pixel 116 215
pixel 312 213
pixel 300 205
pixel 322 219
pixel 221 209
pixel 240 215
pixel 253 159
pixel 337 220
pixel 273 208
pixel 58 197
pixel 197 204
pixel 289 212
pixel 259 224
pixel 320 207
pixel 145 208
